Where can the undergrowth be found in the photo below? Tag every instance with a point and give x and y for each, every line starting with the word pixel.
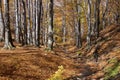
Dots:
pixel 112 70
pixel 58 74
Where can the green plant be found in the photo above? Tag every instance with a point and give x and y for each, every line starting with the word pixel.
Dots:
pixel 78 53
pixel 113 70
pixel 58 74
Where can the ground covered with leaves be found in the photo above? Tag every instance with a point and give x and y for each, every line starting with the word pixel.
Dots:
pixel 30 63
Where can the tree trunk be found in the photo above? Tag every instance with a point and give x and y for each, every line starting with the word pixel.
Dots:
pixel 89 25
pixel 2 28
pixel 24 23
pixel 50 26
pixel 78 25
pixel 64 21
pixel 28 26
pixel 97 17
pixel 46 24
pixel 38 21
pixel 20 22
pixel 104 14
pixel 8 38
pixel 17 31
pixel 34 22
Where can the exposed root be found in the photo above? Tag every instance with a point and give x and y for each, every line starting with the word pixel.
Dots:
pixel 8 46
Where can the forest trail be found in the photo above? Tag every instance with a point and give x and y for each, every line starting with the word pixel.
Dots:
pixel 30 63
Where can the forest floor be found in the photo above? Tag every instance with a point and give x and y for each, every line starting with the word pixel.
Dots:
pixel 30 63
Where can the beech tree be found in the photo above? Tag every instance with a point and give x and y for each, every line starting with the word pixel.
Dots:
pixel 24 22
pixel 50 25
pixel 89 24
pixel 17 27
pixel 64 21
pixel 38 21
pixel 104 14
pixel 97 17
pixel 29 35
pixel 78 24
pixel 8 38
pixel 2 28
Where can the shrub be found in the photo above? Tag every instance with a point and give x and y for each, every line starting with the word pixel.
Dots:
pixel 58 74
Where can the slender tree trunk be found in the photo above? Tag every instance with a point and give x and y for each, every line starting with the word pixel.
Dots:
pixel 89 25
pixel 34 22
pixel 50 26
pixel 37 27
pixel 17 31
pixel 97 17
pixel 42 27
pixel 20 22
pixel 64 21
pixel 8 38
pixel 2 28
pixel 38 21
pixel 28 26
pixel 31 21
pixel 104 14
pixel 46 24
pixel 78 25
pixel 24 23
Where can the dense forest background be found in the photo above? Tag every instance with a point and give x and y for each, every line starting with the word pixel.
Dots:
pixel 70 21
pixel 77 30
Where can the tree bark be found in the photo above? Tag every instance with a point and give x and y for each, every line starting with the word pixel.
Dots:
pixel 97 17
pixel 17 31
pixel 24 23
pixel 89 25
pixel 2 27
pixel 8 38
pixel 34 23
pixel 29 26
pixel 78 25
pixel 50 26
pixel 104 14
pixel 38 21
pixel 64 21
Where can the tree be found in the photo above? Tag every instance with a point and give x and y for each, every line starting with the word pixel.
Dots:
pixel 78 24
pixel 8 38
pixel 37 6
pixel 104 14
pixel 45 22
pixel 89 24
pixel 2 28
pixel 97 17
pixel 17 27
pixel 50 25
pixel 64 20
pixel 24 23
pixel 29 35
pixel 34 22
pixel 38 21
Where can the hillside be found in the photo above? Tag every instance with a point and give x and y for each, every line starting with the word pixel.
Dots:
pixel 108 64
pixel 30 63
